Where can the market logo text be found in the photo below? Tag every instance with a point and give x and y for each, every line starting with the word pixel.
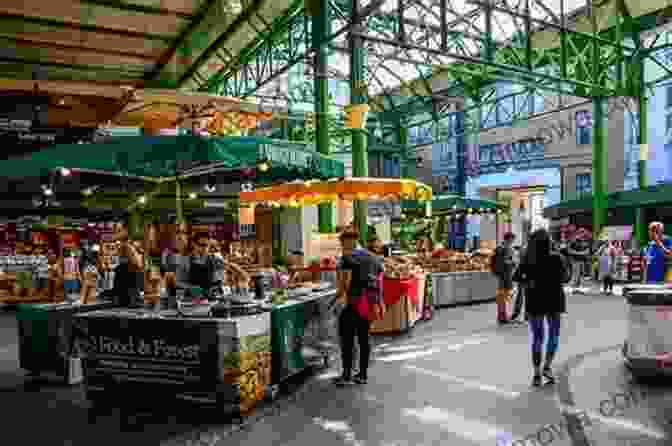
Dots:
pixel 157 348
pixel 562 129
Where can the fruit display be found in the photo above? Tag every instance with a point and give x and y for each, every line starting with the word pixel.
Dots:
pixel 249 370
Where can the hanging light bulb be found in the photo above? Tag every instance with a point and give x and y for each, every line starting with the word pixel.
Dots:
pixel 65 172
pixel 192 196
pixel 264 165
pixel 142 200
pixel 48 191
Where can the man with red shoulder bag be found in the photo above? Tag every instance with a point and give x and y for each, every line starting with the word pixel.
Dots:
pixel 362 292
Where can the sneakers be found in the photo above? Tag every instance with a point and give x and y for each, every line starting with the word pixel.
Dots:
pixel 359 379
pixel 343 381
pixel 536 381
pixel 548 374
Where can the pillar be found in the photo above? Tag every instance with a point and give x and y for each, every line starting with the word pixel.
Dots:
pixel 321 31
pixel 600 207
pixel 402 140
pixel 640 220
pixel 358 93
pixel 461 155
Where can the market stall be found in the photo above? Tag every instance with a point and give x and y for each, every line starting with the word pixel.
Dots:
pixel 162 166
pixel 404 284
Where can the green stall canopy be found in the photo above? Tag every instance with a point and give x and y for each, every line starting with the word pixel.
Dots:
pixel 162 157
pixel 454 203
pixel 653 196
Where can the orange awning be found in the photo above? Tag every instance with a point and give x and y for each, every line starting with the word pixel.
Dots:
pixel 308 193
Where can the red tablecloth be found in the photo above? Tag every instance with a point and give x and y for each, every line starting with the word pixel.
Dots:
pixel 394 289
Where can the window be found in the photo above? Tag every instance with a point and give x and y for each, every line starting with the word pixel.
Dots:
pixel 668 90
pixel 584 128
pixel 583 184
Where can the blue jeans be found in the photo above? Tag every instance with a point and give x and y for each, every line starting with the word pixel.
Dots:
pixel 538 334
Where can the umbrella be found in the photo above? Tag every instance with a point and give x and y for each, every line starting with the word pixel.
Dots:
pixel 315 192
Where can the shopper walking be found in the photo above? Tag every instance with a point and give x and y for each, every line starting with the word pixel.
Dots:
pixel 545 272
pixel 607 267
pixel 358 276
pixel 579 251
pixel 657 253
pixel 503 267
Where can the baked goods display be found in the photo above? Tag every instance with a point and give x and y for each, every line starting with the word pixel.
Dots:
pixel 455 262
pixel 401 268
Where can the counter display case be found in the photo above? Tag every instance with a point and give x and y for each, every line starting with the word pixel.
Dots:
pixel 450 289
pixel 226 362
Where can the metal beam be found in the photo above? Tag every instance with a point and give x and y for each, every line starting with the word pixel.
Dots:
pixel 43 44
pixel 196 19
pixel 125 6
pixel 84 68
pixel 84 27
pixel 243 18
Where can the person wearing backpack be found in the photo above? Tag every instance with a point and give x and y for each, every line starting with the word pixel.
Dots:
pixel 545 272
pixel 502 266
pixel 360 288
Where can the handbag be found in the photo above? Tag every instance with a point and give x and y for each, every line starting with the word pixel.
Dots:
pixel 370 305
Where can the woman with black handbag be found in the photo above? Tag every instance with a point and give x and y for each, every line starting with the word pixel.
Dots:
pixel 546 273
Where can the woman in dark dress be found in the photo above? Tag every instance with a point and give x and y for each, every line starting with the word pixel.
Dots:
pixel 545 272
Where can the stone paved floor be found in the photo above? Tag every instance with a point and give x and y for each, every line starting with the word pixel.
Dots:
pixel 458 380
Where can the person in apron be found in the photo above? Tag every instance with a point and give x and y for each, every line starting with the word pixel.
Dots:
pixel 129 274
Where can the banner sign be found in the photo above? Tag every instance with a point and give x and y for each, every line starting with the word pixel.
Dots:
pixel 219 360
pixel 289 156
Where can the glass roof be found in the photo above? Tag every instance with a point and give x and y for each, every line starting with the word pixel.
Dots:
pixel 389 67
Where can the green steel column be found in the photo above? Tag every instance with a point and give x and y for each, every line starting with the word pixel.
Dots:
pixel 358 94
pixel 599 167
pixel 402 139
pixel 321 31
pixel 640 220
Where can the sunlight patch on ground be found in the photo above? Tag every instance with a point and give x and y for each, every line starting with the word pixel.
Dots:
pixel 340 428
pixel 469 429
pixel 408 355
pixel 464 382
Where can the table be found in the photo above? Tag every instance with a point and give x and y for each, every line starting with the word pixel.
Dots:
pixel 225 362
pixel 304 332
pixel 46 336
